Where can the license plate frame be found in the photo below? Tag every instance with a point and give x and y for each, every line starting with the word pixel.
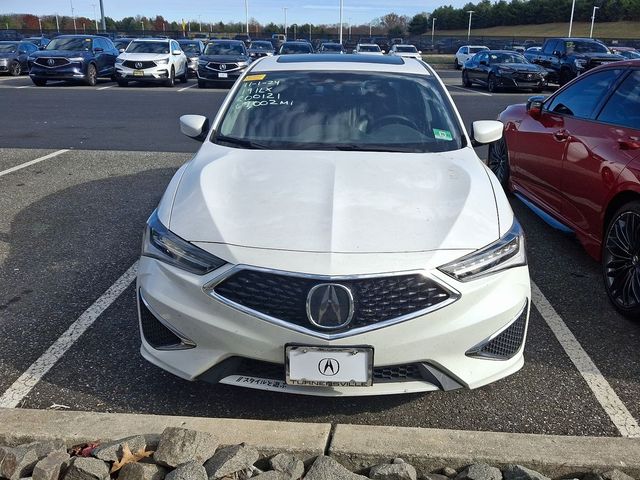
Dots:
pixel 317 356
pixel 223 75
pixel 138 73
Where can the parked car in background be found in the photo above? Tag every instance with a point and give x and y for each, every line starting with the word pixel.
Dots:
pixel 289 48
pixel 287 221
pixel 122 43
pixel 152 60
pixel 277 39
pixel 13 57
pixel 574 158
pixel 222 63
pixel 40 42
pixel 465 52
pixel 532 50
pixel 382 42
pixel 243 37
pixel 82 58
pixel 192 49
pixel 627 52
pixel 330 47
pixel 368 49
pixel 409 51
pixel 498 69
pixel 261 48
pixel 566 58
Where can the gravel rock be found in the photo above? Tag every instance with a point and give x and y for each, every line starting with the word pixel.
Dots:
pixel 142 471
pixel 616 475
pixel 50 467
pixel 272 475
pixel 188 471
pixel 88 468
pixel 288 465
pixel 112 451
pixel 435 476
pixel 449 472
pixel 518 472
pixel 326 468
pixel 230 460
pixel 480 471
pixel 180 445
pixel 17 462
pixel 398 470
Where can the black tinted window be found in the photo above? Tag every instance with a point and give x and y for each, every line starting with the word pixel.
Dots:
pixel 550 47
pixel 73 44
pixel 581 98
pixel 623 108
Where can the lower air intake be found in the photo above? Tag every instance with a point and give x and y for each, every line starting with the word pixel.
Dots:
pixel 506 344
pixel 155 333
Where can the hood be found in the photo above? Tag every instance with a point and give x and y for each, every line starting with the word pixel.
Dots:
pixel 60 53
pixel 8 54
pixel 224 58
pixel 338 202
pixel 148 57
pixel 519 67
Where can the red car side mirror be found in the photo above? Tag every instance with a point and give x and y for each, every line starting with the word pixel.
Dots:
pixel 534 106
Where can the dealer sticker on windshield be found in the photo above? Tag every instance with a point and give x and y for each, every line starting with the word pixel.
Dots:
pixel 442 135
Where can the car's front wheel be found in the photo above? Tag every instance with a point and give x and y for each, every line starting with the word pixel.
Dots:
pixel 184 78
pixel 492 83
pixel 621 259
pixel 465 79
pixel 456 64
pixel 498 161
pixel 171 81
pixel 15 69
pixel 92 75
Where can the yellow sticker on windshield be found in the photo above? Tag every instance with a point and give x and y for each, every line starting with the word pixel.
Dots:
pixel 253 78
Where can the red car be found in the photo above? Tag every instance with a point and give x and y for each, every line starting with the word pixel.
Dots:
pixel 575 159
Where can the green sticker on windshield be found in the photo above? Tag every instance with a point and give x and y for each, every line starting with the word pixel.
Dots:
pixel 442 135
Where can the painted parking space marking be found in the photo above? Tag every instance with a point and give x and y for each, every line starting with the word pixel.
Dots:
pixel 187 88
pixel 18 391
pixel 108 86
pixel 25 86
pixel 606 396
pixel 468 90
pixel 32 162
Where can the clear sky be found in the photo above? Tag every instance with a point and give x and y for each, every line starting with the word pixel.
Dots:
pixel 265 11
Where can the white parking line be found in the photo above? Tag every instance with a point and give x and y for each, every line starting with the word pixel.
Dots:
pixel 32 162
pixel 17 392
pixel 606 396
pixel 469 90
pixel 25 86
pixel 187 88
pixel 108 86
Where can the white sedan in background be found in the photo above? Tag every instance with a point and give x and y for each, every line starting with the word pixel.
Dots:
pixel 465 52
pixel 408 51
pixel 368 49
pixel 336 234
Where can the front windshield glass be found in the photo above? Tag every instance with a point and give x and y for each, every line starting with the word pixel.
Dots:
pixel 8 47
pixel 190 47
pixel 148 47
pixel 586 47
pixel 262 46
pixel 629 54
pixel 340 111
pixel 295 48
pixel 224 48
pixel 369 48
pixel 406 49
pixel 121 44
pixel 75 44
pixel 506 58
pixel 332 47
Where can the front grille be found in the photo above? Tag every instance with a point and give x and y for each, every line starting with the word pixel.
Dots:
pixel 375 300
pixel 143 65
pixel 524 77
pixel 397 373
pixel 155 333
pixel 226 68
pixel 505 345
pixel 57 62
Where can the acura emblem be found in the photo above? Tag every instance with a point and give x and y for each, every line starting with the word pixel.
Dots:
pixel 223 66
pixel 330 306
pixel 328 367
pixel 51 62
pixel 530 76
pixel 138 64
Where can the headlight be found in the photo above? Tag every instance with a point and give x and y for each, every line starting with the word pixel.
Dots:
pixel 242 64
pixel 31 59
pixel 160 243
pixel 580 62
pixel 202 62
pixel 505 253
pixel 119 61
pixel 162 61
pixel 76 59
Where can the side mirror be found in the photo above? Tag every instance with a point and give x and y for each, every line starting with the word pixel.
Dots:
pixel 194 126
pixel 98 50
pixel 121 50
pixel 177 52
pixel 486 131
pixel 556 53
pixel 534 106
pixel 41 47
pixel 420 52
pixel 384 51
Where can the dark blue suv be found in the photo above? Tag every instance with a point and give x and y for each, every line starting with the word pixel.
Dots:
pixel 74 57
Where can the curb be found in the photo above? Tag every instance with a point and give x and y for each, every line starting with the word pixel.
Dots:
pixel 357 447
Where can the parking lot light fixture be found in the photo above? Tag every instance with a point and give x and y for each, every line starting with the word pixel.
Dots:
pixel 142 24
pixel 573 9
pixel 40 23
pixel 246 14
pixel 341 8
pixel 95 16
pixel 285 22
pixel 103 22
pixel 433 29
pixel 471 12
pixel 593 19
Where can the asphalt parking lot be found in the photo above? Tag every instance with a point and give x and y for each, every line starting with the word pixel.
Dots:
pixel 71 226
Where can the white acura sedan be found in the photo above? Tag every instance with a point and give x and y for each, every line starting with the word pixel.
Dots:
pixel 335 234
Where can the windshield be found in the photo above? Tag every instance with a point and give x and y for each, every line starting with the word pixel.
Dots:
pixel 121 44
pixel 148 47
pixel 332 47
pixel 74 44
pixel 262 46
pixel 506 58
pixel 406 49
pixel 629 54
pixel 586 47
pixel 369 48
pixel 295 48
pixel 340 111
pixel 8 47
pixel 224 48
pixel 190 47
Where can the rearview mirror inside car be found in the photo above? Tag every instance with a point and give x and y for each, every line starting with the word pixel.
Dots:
pixel 534 105
pixel 194 126
pixel 486 131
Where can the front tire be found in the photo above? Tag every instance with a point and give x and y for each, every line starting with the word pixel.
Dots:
pixel 171 81
pixel 498 161
pixel 492 83
pixel 456 65
pixel 15 69
pixel 465 79
pixel 184 78
pixel 565 77
pixel 92 76
pixel 621 260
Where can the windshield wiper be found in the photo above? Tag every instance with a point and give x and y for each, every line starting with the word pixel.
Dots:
pixel 348 147
pixel 240 142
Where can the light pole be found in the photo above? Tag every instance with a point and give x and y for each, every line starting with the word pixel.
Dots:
pixel 433 28
pixel 285 22
pixel 57 23
pixel 95 16
pixel 246 14
pixel 370 26
pixel 40 23
pixel 349 29
pixel 103 22
pixel 142 24
pixel 593 19
pixel 295 30
pixel 341 7
pixel 199 23
pixel 573 8
pixel 471 12
pixel 75 28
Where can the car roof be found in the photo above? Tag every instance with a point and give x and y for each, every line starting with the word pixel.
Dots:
pixel 369 45
pixel 331 62
pixel 76 36
pixel 474 46
pixel 332 43
pixel 227 40
pixel 508 52
pixel 297 42
pixel 151 39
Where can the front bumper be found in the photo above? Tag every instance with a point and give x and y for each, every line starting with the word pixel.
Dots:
pixel 155 74
pixel 217 337
pixel 72 71
pixel 509 81
pixel 214 76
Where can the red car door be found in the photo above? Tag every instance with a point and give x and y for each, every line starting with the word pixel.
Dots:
pixel 597 152
pixel 537 165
